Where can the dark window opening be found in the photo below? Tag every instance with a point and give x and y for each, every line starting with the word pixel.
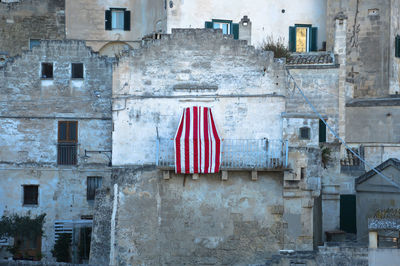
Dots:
pixel 397 46
pixel 77 70
pixel 302 173
pixel 47 70
pixel 31 193
pixel 305 133
pixel 85 236
pixel 348 219
pixel 67 142
pixel 322 131
pixel 93 183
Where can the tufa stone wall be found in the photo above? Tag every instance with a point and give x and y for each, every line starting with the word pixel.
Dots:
pixel 244 87
pixel 369 43
pixel 29 113
pixel 23 20
pixel 184 221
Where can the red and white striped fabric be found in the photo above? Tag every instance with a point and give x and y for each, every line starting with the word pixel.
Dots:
pixel 197 143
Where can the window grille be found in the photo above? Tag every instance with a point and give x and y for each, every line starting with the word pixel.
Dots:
pixel 67 142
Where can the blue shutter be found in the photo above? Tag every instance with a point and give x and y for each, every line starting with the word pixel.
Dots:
pixel 313 39
pixel 108 19
pixel 127 20
pixel 292 39
pixel 208 25
pixel 397 46
pixel 235 30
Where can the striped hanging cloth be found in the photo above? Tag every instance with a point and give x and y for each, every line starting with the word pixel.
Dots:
pixel 197 143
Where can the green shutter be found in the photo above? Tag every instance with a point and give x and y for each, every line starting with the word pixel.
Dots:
pixel 235 30
pixel 397 46
pixel 313 39
pixel 127 20
pixel 322 131
pixel 108 19
pixel 292 39
pixel 208 25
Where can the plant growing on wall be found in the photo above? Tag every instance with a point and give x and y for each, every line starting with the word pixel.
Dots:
pixel 277 46
pixel 22 227
pixel 325 156
pixel 62 248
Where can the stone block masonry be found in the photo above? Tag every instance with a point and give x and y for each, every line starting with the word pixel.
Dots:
pixel 184 221
pixel 30 109
pixel 23 20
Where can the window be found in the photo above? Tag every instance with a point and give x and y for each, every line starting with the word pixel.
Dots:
pixel 67 142
pixel 226 25
pixel 303 38
pixel 31 193
pixel 305 133
pixel 47 70
pixel 302 173
pixel 33 43
pixel 77 70
pixel 397 46
pixel 118 19
pixel 93 183
pixel 322 131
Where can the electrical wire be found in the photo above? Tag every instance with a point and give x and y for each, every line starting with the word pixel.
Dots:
pixel 336 135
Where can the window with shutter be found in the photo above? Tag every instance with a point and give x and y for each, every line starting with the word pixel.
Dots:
pixel 303 38
pixel 67 142
pixel 226 26
pixel 118 19
pixel 93 183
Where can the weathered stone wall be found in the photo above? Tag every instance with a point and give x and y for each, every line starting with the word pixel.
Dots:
pixel 321 87
pixel 244 87
pixel 394 61
pixel 205 221
pixel 29 113
pixel 368 43
pixel 30 19
pixel 376 124
pixel 324 255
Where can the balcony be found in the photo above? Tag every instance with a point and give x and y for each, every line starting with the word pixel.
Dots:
pixel 237 154
pixel 66 153
pixel 350 163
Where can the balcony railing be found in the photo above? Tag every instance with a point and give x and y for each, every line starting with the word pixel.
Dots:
pixel 237 154
pixel 352 163
pixel 66 153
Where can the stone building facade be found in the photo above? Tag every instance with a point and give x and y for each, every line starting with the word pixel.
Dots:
pixel 112 26
pixel 257 19
pixel 53 123
pixel 24 22
pixel 244 218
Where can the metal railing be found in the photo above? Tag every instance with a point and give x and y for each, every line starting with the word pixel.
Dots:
pixel 351 162
pixel 236 154
pixel 67 153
